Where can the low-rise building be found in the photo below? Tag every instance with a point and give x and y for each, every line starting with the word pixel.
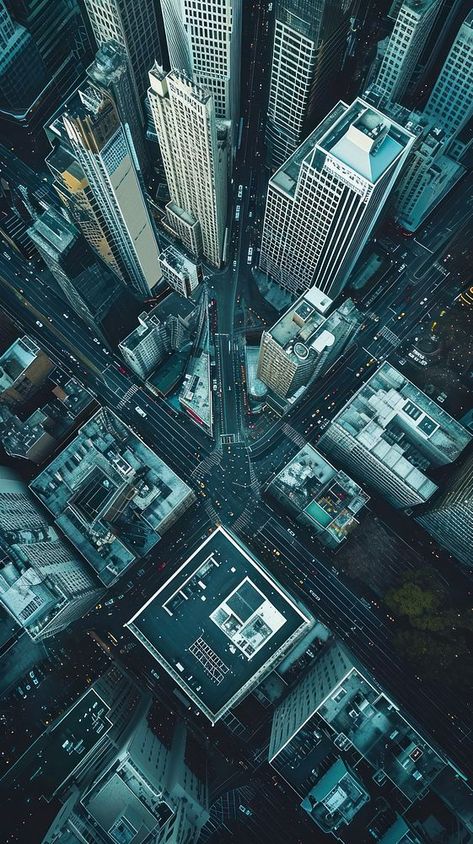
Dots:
pixel 161 331
pixel 24 368
pixel 389 434
pixel 111 495
pixel 179 271
pixel 336 798
pixel 43 584
pixel 320 496
pixel 304 343
pixel 220 624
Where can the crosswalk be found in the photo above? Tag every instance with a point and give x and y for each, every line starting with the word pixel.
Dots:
pixel 211 512
pixel 389 335
pixel 127 396
pixel 293 435
pixel 255 484
pixel 244 520
pixel 205 465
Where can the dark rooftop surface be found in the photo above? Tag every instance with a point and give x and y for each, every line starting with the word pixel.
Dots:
pixel 217 622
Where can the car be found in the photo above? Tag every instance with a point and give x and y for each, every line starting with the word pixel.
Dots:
pixel 240 191
pixel 96 340
pixel 105 351
pixel 50 319
pixel 39 324
pixel 250 255
pixel 32 674
pixel 36 681
pixel 66 316
pixel 290 532
pixel 237 213
pixel 140 412
pixel 122 369
pixel 234 265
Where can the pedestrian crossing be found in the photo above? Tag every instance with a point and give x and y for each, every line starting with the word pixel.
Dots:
pixel 127 396
pixel 389 335
pixel 206 464
pixel 211 512
pixel 244 520
pixel 255 484
pixel 293 435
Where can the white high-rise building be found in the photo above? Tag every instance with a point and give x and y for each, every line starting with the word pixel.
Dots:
pixel 450 104
pixel 204 41
pixel 324 201
pixel 133 24
pixel 100 144
pixel 43 585
pixel 195 160
pixel 309 43
pixel 411 29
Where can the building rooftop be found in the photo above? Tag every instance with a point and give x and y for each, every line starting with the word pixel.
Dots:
pixel 160 78
pixel 364 717
pixel 299 327
pixel 336 798
pixel 196 393
pixel 111 495
pixel 56 754
pixel 357 136
pixel 120 812
pixel 326 498
pixel 176 260
pixel 53 232
pixel 219 624
pixel 402 427
pixel 16 360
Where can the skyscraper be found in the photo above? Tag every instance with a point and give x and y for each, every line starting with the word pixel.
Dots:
pixel 88 284
pixel 309 42
pixel 195 160
pixel 133 24
pixel 323 202
pixel 450 104
pixel 110 72
pixel 100 144
pixel 413 24
pixel 449 517
pixel 22 70
pixel 43 585
pixel 389 434
pixel 204 41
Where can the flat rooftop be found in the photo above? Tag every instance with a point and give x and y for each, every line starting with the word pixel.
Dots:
pixel 17 358
pixel 327 498
pixel 55 755
pixel 219 624
pixel 196 394
pixel 301 323
pixel 177 261
pixel 387 400
pixel 357 136
pixel 111 494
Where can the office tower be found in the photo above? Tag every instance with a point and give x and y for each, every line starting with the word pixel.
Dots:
pixel 413 24
pixel 319 496
pixel 110 72
pixel 164 329
pixel 180 273
pixel 309 43
pixel 323 202
pixel 450 104
pixel 194 154
pixel 390 434
pixel 337 737
pixel 303 343
pixel 89 285
pixel 100 145
pixel 134 785
pixel 43 585
pixel 204 41
pixel 133 24
pixel 449 516
pixel 429 174
pixel 24 368
pixel 22 71
pixel 140 496
pixel 214 654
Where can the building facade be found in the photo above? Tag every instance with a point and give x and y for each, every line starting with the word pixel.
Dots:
pixel 204 41
pixel 43 584
pixel 24 368
pixel 323 202
pixel 449 517
pixel 390 434
pixel 450 104
pixel 308 48
pixel 133 24
pixel 180 273
pixel 110 72
pixel 101 146
pixel 195 158
pixel 411 29
pixel 89 286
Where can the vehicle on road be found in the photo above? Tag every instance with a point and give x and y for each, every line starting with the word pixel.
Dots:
pixel 140 412
pixel 237 213
pixel 39 324
pixel 240 191
pixel 250 255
